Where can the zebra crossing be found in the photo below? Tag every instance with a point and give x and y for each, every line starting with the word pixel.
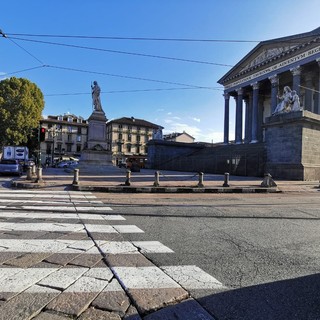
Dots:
pixel 66 249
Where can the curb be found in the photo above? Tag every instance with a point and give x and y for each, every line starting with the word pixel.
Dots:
pixel 129 189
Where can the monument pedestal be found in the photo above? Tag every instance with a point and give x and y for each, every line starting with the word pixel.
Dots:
pixel 96 157
pixel 292 145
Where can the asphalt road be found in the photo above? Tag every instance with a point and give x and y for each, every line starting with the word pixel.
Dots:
pixel 265 249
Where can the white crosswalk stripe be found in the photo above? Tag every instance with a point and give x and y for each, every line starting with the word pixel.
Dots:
pixel 50 264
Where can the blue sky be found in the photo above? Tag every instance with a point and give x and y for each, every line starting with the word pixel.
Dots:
pixel 158 90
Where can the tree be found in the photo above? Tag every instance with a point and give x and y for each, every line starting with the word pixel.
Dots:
pixel 21 105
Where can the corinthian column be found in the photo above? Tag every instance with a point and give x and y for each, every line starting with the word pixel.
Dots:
pixel 255 118
pixel 226 118
pixel 274 91
pixel 296 72
pixel 239 114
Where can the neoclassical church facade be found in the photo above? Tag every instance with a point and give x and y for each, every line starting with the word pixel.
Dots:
pixel 276 88
pixel 259 84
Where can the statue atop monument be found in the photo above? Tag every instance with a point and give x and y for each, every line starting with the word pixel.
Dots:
pixel 95 90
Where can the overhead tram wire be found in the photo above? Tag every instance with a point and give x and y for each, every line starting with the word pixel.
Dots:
pixel 127 77
pixel 123 52
pixel 22 48
pixel 124 91
pixel 132 38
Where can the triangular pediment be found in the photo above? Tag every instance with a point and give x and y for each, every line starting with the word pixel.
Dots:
pixel 268 51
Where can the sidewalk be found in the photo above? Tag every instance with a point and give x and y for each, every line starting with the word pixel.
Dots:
pixel 115 180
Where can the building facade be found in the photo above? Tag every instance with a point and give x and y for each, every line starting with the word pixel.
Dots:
pixel 179 137
pixel 277 92
pixel 259 78
pixel 276 88
pixel 66 136
pixel 128 138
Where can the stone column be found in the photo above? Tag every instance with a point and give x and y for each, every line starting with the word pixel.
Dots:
pixel 255 112
pixel 226 118
pixel 248 119
pixel 274 91
pixel 239 111
pixel 296 72
pixel 308 92
pixel 317 101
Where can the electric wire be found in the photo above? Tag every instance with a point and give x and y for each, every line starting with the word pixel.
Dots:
pixel 123 52
pixel 133 38
pixel 123 91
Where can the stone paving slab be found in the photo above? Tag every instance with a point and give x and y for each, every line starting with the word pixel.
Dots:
pixel 186 310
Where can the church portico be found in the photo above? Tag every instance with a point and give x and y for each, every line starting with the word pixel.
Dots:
pixel 277 77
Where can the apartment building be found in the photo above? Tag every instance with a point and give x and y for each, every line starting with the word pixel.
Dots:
pixel 66 136
pixel 128 137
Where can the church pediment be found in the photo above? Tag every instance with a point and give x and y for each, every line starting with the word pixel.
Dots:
pixel 269 52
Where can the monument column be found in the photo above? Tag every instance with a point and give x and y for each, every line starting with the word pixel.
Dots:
pixel 226 118
pixel 296 72
pixel 239 111
pixel 274 91
pixel 308 92
pixel 255 112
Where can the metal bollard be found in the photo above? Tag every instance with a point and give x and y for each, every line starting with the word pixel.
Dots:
pixel 200 184
pixel 39 175
pixel 226 180
pixel 156 179
pixel 29 173
pixel 33 170
pixel 128 177
pixel 75 176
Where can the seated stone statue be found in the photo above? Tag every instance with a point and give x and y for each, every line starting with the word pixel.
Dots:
pixel 285 104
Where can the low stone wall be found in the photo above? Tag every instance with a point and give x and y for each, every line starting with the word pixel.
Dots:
pixel 242 160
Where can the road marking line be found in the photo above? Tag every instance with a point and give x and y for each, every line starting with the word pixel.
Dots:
pixel 151 247
pixel 192 277
pixel 144 278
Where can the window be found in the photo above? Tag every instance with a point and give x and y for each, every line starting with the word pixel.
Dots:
pixel 78 147
pixel 79 130
pixel 69 148
pixel 69 129
pixel 59 135
pixel 138 138
pixel 78 138
pixel 69 137
pixel 120 136
pixel 119 148
pixel 129 147
pixel 138 149
pixel 120 126
pixel 60 118
pixel 129 137
pixel 70 119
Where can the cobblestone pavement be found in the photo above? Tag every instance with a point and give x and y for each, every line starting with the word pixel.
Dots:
pixel 62 256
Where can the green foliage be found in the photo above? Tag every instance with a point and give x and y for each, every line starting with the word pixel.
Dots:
pixel 21 105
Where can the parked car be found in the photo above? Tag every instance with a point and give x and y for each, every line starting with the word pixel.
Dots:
pixel 10 166
pixel 67 164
